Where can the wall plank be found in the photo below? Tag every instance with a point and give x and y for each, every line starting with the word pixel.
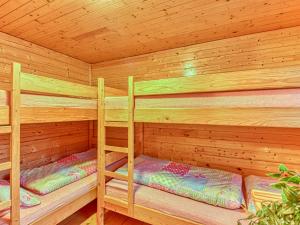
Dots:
pixel 43 143
pixel 272 49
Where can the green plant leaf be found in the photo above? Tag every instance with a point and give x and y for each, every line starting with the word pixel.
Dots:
pixel 274 175
pixel 283 168
pixel 294 179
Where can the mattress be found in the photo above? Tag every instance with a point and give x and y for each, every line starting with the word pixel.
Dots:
pixel 212 186
pixel 55 200
pixel 176 205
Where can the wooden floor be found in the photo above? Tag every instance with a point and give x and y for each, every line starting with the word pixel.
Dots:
pixel 86 216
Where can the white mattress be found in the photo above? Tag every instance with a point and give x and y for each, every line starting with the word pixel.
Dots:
pixel 55 200
pixel 176 205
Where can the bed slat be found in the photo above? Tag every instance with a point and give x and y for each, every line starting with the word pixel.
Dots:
pixel 5 205
pixel 116 149
pixel 231 81
pixel 116 201
pixel 116 175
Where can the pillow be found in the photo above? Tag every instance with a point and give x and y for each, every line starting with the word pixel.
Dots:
pixel 26 198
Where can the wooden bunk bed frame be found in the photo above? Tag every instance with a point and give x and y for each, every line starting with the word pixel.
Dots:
pixel 190 100
pixel 38 99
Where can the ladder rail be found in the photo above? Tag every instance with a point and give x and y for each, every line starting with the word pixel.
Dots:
pixel 102 148
pixel 15 102
pixel 130 146
pixel 101 187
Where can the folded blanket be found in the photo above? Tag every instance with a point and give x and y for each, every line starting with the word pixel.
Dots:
pixel 215 187
pixel 48 178
pixel 258 183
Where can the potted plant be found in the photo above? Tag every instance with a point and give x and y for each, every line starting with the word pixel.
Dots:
pixel 285 212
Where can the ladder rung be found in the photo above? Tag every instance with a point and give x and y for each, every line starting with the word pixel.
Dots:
pixel 5 166
pixel 115 201
pixel 5 205
pixel 5 129
pixel 116 175
pixel 116 149
pixel 116 124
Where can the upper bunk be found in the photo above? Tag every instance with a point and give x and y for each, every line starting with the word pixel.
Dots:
pixel 45 99
pixel 266 98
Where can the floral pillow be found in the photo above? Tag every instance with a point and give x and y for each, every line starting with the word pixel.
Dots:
pixel 27 199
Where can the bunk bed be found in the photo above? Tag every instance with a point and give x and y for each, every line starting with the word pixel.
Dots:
pixel 37 99
pixel 247 98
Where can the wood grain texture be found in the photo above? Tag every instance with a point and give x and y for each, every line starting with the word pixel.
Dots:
pixel 39 60
pixel 244 150
pixel 262 79
pixel 41 143
pixel 96 31
pixel 268 50
pixel 45 143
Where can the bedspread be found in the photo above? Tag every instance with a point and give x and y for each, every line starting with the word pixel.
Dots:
pixel 48 178
pixel 212 186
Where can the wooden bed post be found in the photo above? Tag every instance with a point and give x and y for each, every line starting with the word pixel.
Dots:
pixel 15 144
pixel 101 152
pixel 130 146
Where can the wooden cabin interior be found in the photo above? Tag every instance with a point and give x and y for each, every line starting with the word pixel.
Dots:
pixel 137 112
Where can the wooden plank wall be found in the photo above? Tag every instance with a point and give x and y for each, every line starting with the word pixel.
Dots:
pixel 246 150
pixel 43 143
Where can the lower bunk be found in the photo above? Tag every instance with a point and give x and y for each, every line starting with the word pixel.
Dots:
pixel 51 193
pixel 167 192
pixel 59 204
pixel 159 207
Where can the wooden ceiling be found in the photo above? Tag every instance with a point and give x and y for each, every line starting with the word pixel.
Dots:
pixel 101 30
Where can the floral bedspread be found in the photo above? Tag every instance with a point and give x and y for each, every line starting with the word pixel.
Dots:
pixel 48 178
pixel 212 186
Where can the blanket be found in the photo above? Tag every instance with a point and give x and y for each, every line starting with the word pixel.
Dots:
pixel 212 186
pixel 48 178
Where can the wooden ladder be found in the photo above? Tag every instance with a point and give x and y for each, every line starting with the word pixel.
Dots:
pixel 13 129
pixel 103 149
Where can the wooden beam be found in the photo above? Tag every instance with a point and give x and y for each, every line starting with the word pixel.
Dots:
pixel 61 213
pixel 4 115
pixel 259 117
pixel 148 215
pixel 101 161
pixel 5 205
pixel 116 115
pixel 5 129
pixel 116 124
pixel 115 201
pixel 231 81
pixel 40 84
pixel 5 166
pixel 130 146
pixel 45 114
pixel 116 175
